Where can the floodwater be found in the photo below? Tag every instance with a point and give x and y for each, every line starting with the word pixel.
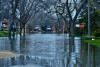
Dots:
pixel 49 50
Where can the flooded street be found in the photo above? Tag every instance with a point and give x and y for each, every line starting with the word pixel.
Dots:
pixel 49 50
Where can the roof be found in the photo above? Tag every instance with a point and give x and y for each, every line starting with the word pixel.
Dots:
pixel 5 21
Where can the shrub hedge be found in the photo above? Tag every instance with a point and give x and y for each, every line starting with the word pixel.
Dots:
pixel 3 33
pixel 97 34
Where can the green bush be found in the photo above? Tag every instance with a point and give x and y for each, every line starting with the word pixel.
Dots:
pixel 43 28
pixel 3 32
pixel 97 34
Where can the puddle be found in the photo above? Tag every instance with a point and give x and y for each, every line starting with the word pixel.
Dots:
pixel 28 65
pixel 7 54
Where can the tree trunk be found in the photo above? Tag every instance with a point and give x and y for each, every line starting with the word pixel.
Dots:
pixel 71 46
pixel 58 27
pixel 13 32
pixel 68 29
pixel 10 28
pixel 20 27
pixel 13 28
pixel 72 29
pixel 24 30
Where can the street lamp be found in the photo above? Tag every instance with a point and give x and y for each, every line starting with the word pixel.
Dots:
pixel 94 13
pixel 89 24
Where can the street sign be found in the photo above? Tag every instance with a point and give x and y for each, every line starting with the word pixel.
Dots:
pixel 81 25
pixel 77 25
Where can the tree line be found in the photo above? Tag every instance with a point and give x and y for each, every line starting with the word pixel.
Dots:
pixel 65 12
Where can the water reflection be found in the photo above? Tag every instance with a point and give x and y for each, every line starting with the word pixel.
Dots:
pixel 49 50
pixel 94 57
pixel 88 55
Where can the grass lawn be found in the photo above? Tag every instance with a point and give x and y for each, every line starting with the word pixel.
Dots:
pixel 5 33
pixel 95 42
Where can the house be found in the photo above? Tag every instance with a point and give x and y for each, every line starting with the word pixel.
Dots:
pixel 62 29
pixel 4 25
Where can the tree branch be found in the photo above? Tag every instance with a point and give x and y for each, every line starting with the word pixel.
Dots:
pixel 68 10
pixel 78 11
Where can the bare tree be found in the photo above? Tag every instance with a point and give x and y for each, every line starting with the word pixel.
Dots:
pixel 73 19
pixel 14 5
pixel 55 10
pixel 28 9
pixel 96 4
pixel 4 9
pixel 68 10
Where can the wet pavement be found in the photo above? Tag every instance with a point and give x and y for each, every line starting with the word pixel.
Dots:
pixel 49 50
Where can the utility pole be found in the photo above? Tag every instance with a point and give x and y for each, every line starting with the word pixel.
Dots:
pixel 89 22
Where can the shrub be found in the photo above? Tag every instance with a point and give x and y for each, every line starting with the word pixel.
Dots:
pixel 97 34
pixel 2 33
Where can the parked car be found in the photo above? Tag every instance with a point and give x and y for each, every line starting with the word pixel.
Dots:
pixel 37 29
pixel 48 28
